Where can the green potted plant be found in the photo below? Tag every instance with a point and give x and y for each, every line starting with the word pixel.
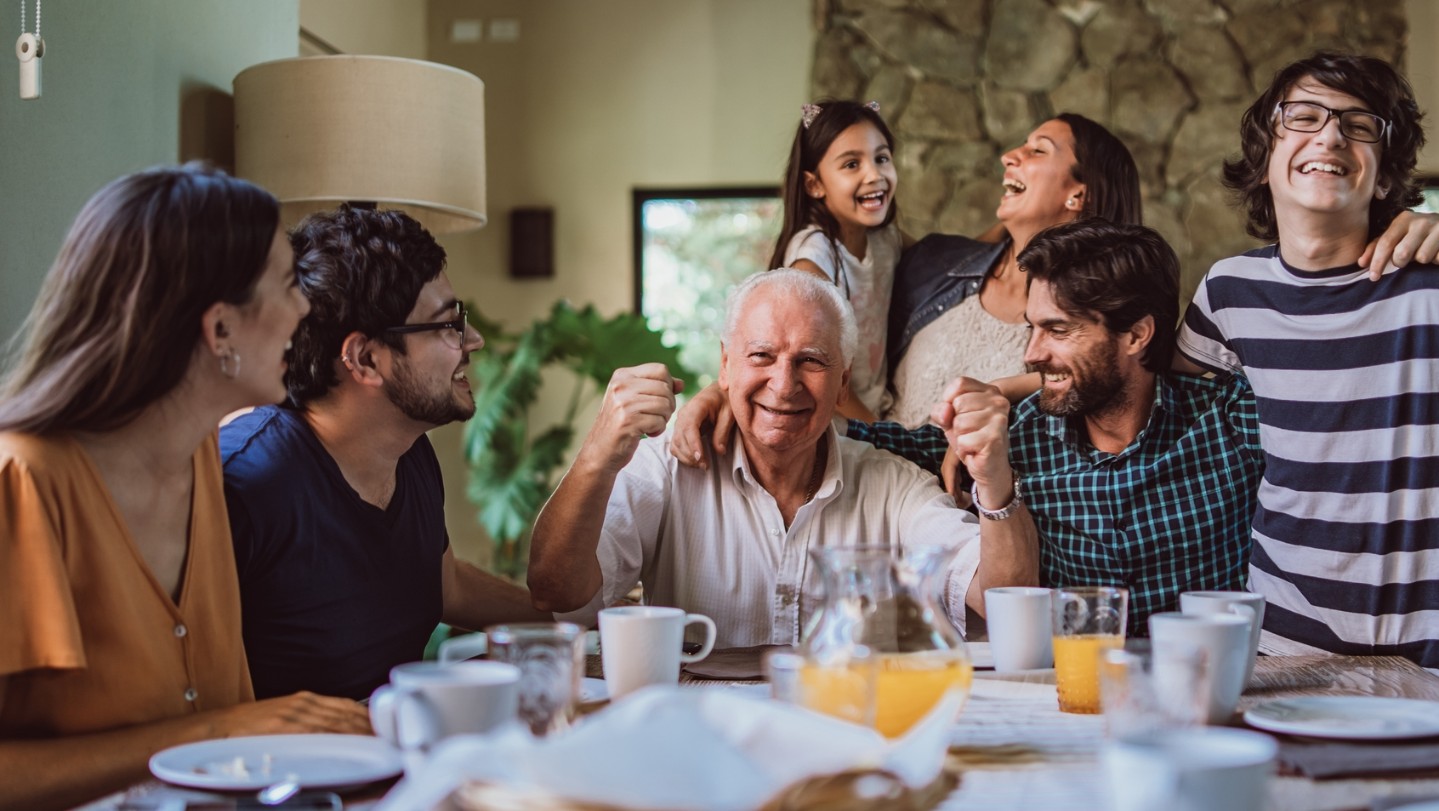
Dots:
pixel 514 469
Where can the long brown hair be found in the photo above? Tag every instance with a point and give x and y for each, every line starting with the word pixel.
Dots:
pixel 119 314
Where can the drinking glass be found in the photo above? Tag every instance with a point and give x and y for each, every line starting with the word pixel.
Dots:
pixel 1143 691
pixel 551 659
pixel 1088 620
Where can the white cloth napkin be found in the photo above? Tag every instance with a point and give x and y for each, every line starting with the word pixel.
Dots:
pixel 683 750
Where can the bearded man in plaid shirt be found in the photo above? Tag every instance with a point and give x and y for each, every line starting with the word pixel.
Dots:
pixel 1125 473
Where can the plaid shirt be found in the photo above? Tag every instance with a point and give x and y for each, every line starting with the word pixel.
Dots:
pixel 1169 513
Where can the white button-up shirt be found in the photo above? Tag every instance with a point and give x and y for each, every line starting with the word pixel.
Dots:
pixel 713 541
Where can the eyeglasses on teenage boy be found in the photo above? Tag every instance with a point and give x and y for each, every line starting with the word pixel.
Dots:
pixel 1356 125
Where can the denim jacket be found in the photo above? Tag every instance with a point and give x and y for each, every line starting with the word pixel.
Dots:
pixel 935 274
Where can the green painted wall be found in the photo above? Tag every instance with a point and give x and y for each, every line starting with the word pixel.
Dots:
pixel 126 84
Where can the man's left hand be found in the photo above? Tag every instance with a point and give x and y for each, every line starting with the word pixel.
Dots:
pixel 975 419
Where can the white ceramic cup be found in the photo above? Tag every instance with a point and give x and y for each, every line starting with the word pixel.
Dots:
pixel 1223 602
pixel 426 702
pixel 640 645
pixel 1200 769
pixel 1020 633
pixel 1224 638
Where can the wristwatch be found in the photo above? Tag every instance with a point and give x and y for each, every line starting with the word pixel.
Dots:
pixel 1001 513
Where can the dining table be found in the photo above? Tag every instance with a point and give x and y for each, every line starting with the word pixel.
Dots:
pixel 1011 749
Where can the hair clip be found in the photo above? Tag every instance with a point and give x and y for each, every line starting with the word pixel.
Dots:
pixel 873 105
pixel 807 113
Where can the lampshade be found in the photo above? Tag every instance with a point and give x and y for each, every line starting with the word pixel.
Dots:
pixel 400 133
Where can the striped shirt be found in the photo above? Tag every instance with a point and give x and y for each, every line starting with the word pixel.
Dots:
pixel 1346 538
pixel 714 542
pixel 1167 514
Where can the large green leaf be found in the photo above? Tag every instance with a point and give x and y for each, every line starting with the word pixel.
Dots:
pixel 512 475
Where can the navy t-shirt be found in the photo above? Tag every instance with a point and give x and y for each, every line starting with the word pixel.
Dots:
pixel 334 590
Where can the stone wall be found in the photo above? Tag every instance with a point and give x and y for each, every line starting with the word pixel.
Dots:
pixel 961 81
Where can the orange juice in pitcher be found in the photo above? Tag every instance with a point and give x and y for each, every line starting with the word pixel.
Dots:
pixel 881 651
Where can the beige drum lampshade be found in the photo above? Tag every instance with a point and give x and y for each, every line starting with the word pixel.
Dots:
pixel 318 131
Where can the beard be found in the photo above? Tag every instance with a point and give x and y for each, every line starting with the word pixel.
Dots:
pixel 434 404
pixel 1095 385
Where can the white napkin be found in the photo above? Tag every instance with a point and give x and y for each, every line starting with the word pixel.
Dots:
pixel 683 750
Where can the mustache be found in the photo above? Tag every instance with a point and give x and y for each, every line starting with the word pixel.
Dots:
pixel 1045 369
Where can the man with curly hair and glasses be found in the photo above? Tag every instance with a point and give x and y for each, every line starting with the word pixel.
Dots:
pixel 1345 370
pixel 335 498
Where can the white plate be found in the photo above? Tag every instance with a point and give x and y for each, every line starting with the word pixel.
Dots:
pixel 593 690
pixel 1423 805
pixel 1348 717
pixel 317 761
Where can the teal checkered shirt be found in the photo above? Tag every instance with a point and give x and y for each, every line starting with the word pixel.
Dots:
pixel 1169 513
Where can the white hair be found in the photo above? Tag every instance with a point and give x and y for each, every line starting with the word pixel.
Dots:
pixel 805 287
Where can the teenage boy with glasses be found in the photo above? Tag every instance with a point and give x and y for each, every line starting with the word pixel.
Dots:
pixel 336 501
pixel 1345 370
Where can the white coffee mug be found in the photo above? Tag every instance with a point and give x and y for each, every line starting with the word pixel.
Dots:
pixel 1020 633
pixel 641 645
pixel 426 702
pixel 1224 638
pixel 1224 602
pixel 1199 769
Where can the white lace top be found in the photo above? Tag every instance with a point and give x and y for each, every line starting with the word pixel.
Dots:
pixel 966 341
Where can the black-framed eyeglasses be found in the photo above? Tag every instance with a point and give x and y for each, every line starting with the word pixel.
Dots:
pixel 1356 125
pixel 454 329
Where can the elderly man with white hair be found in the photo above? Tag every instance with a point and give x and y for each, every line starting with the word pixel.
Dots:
pixel 730 541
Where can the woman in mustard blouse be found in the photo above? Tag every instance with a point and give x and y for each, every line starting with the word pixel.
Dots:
pixel 170 305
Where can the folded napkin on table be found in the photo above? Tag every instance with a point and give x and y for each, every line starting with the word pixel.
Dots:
pixel 1324 761
pixel 679 750
pixel 733 663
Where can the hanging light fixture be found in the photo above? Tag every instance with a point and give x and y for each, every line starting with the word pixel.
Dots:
pixel 378 131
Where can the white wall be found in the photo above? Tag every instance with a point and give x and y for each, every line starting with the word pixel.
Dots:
pixel 381 27
pixel 597 98
pixel 126 85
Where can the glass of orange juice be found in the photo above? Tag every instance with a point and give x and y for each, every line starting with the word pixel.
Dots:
pixel 1088 620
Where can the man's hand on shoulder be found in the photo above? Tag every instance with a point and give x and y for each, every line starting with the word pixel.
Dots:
pixel 638 403
pixel 975 419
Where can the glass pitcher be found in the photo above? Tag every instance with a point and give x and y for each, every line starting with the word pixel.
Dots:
pixel 881 651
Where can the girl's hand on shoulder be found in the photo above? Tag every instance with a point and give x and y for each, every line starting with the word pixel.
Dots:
pixel 708 407
pixel 1411 238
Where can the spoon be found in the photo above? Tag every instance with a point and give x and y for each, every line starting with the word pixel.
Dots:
pixel 277 793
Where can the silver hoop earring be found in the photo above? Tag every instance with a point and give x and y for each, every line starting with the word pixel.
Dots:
pixel 227 360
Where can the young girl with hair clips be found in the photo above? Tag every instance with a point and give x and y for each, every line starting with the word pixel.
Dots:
pixel 839 216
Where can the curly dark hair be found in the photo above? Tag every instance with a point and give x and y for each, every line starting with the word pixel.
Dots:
pixel 1372 81
pixel 1120 272
pixel 362 270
